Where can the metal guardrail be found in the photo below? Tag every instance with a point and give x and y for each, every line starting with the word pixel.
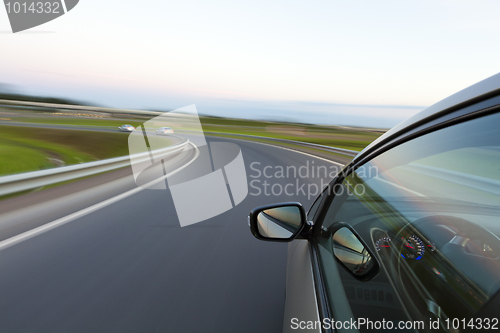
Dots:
pixel 341 151
pixel 30 180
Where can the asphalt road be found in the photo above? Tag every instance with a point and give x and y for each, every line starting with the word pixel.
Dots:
pixel 130 267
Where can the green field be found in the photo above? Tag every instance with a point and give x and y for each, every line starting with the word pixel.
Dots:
pixel 347 138
pixel 353 139
pixel 24 149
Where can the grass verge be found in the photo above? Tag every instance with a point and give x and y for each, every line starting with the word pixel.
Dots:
pixel 24 149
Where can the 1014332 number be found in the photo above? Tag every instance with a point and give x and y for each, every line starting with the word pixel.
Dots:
pixel 33 7
pixel 475 324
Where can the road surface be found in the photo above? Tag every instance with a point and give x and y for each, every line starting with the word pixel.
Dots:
pixel 130 267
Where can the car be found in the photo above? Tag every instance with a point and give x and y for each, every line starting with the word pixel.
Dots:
pixel 126 128
pixel 406 236
pixel 164 130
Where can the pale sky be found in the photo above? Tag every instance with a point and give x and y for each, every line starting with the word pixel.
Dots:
pixel 349 62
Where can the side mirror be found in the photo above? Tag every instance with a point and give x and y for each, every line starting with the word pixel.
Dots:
pixel 279 222
pixel 352 254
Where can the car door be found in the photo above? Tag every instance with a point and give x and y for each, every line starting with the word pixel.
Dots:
pixel 301 306
pixel 428 213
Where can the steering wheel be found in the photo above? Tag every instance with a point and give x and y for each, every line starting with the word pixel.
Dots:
pixel 463 250
pixel 471 248
pixel 448 232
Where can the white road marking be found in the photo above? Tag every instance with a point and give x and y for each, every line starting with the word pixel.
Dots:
pixel 289 149
pixel 63 220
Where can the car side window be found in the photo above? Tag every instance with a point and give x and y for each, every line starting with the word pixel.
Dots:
pixel 429 210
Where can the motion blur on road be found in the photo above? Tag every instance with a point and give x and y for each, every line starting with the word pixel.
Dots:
pixel 100 254
pixel 93 229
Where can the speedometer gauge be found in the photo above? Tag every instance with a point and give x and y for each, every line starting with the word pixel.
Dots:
pixel 413 248
pixel 383 243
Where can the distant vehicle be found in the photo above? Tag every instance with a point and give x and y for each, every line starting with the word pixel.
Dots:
pixel 407 235
pixel 126 128
pixel 164 130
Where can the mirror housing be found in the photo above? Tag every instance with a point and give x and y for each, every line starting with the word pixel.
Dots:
pixel 352 253
pixel 281 222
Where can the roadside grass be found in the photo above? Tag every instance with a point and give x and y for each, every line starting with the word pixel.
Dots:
pixel 24 149
pixel 346 141
pixel 335 136
pixel 15 159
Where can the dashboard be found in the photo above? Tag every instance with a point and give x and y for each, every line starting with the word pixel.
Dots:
pixel 440 266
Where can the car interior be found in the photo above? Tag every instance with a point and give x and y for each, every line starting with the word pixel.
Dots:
pixel 437 245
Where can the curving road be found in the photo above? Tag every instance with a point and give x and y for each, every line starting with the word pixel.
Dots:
pixel 130 267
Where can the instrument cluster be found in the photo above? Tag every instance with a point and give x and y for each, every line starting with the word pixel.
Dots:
pixel 411 247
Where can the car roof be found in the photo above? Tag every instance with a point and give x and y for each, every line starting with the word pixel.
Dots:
pixel 482 90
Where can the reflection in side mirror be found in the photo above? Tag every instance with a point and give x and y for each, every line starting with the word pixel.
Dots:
pixel 353 254
pixel 281 222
